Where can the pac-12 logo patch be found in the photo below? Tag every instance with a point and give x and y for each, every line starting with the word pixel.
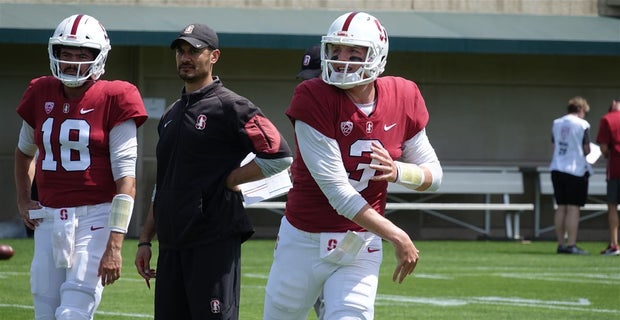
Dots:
pixel 215 306
pixel 49 106
pixel 201 122
pixel 346 127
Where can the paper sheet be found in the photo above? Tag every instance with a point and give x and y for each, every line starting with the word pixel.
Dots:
pixel 266 188
pixel 595 153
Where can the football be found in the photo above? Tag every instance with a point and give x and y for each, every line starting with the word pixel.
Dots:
pixel 6 252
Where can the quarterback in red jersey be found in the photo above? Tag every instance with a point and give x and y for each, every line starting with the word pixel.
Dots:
pixel 355 133
pixel 79 141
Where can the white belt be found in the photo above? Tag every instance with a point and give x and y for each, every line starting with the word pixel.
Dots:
pixel 49 213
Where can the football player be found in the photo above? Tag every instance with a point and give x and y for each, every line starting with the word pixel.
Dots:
pixel 78 138
pixel 356 132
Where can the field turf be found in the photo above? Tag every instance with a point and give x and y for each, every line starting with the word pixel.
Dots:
pixel 480 280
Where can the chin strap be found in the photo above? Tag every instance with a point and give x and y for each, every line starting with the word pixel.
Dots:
pixel 120 213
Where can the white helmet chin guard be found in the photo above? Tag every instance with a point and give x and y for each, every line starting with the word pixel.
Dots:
pixel 80 31
pixel 354 29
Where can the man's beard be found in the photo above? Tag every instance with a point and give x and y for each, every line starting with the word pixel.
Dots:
pixel 196 76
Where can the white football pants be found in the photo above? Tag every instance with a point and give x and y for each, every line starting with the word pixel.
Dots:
pixel 298 274
pixel 75 292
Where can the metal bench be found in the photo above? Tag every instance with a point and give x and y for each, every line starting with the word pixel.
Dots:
pixel 459 180
pixel 469 180
pixel 597 186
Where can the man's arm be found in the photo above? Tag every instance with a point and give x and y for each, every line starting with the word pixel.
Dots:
pixel 24 174
pixel 605 150
pixel 123 156
pixel 112 260
pixel 407 255
pixel 246 173
pixel 273 155
pixel 418 168
pixel 143 255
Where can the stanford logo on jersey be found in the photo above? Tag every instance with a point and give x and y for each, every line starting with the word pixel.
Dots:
pixel 215 306
pixel 49 106
pixel 369 127
pixel 346 127
pixel 65 108
pixel 201 122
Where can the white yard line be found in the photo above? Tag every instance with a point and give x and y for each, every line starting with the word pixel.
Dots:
pixel 580 304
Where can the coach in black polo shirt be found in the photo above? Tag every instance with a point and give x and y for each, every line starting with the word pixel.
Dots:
pixel 198 211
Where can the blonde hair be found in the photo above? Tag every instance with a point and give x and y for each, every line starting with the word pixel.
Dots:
pixel 577 104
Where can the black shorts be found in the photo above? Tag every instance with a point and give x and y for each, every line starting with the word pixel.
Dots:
pixel 613 191
pixel 201 282
pixel 569 189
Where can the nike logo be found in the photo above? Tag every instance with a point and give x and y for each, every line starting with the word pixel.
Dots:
pixel 167 123
pixel 93 228
pixel 387 128
pixel 371 250
pixel 85 111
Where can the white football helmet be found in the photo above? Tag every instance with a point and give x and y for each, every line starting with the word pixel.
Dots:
pixel 79 30
pixel 354 29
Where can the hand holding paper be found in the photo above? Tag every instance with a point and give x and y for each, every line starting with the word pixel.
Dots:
pixel 266 188
pixel 595 153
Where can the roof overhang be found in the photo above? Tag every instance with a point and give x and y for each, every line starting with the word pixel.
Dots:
pixel 297 28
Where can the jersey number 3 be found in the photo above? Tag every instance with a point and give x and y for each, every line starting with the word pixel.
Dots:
pixel 73 137
pixel 357 150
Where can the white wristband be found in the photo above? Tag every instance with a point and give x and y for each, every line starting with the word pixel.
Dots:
pixel 409 175
pixel 120 213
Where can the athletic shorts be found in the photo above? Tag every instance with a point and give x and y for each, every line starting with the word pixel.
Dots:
pixel 613 191
pixel 569 189
pixel 201 282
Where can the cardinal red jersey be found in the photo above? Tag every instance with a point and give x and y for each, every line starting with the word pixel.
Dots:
pixel 73 163
pixel 609 134
pixel 400 113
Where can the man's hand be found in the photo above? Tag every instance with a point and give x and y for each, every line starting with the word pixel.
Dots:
pixel 407 257
pixel 142 263
pixel 386 165
pixel 112 260
pixel 23 208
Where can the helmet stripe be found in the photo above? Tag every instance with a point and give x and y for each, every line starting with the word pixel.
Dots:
pixel 75 24
pixel 347 23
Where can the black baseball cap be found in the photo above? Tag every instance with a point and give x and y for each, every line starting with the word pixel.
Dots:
pixel 198 35
pixel 310 63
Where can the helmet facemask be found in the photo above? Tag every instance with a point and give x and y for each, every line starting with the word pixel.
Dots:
pixel 353 72
pixel 94 71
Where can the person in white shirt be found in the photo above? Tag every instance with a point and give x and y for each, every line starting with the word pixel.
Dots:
pixel 570 172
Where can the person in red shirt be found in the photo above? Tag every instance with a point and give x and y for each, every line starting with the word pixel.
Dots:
pixel 355 132
pixel 608 138
pixel 79 139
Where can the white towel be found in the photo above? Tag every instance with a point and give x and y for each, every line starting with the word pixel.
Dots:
pixel 347 246
pixel 63 237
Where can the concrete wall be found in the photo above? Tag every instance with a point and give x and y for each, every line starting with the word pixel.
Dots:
pixel 492 109
pixel 485 109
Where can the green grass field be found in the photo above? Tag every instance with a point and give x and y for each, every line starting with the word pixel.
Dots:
pixel 454 280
